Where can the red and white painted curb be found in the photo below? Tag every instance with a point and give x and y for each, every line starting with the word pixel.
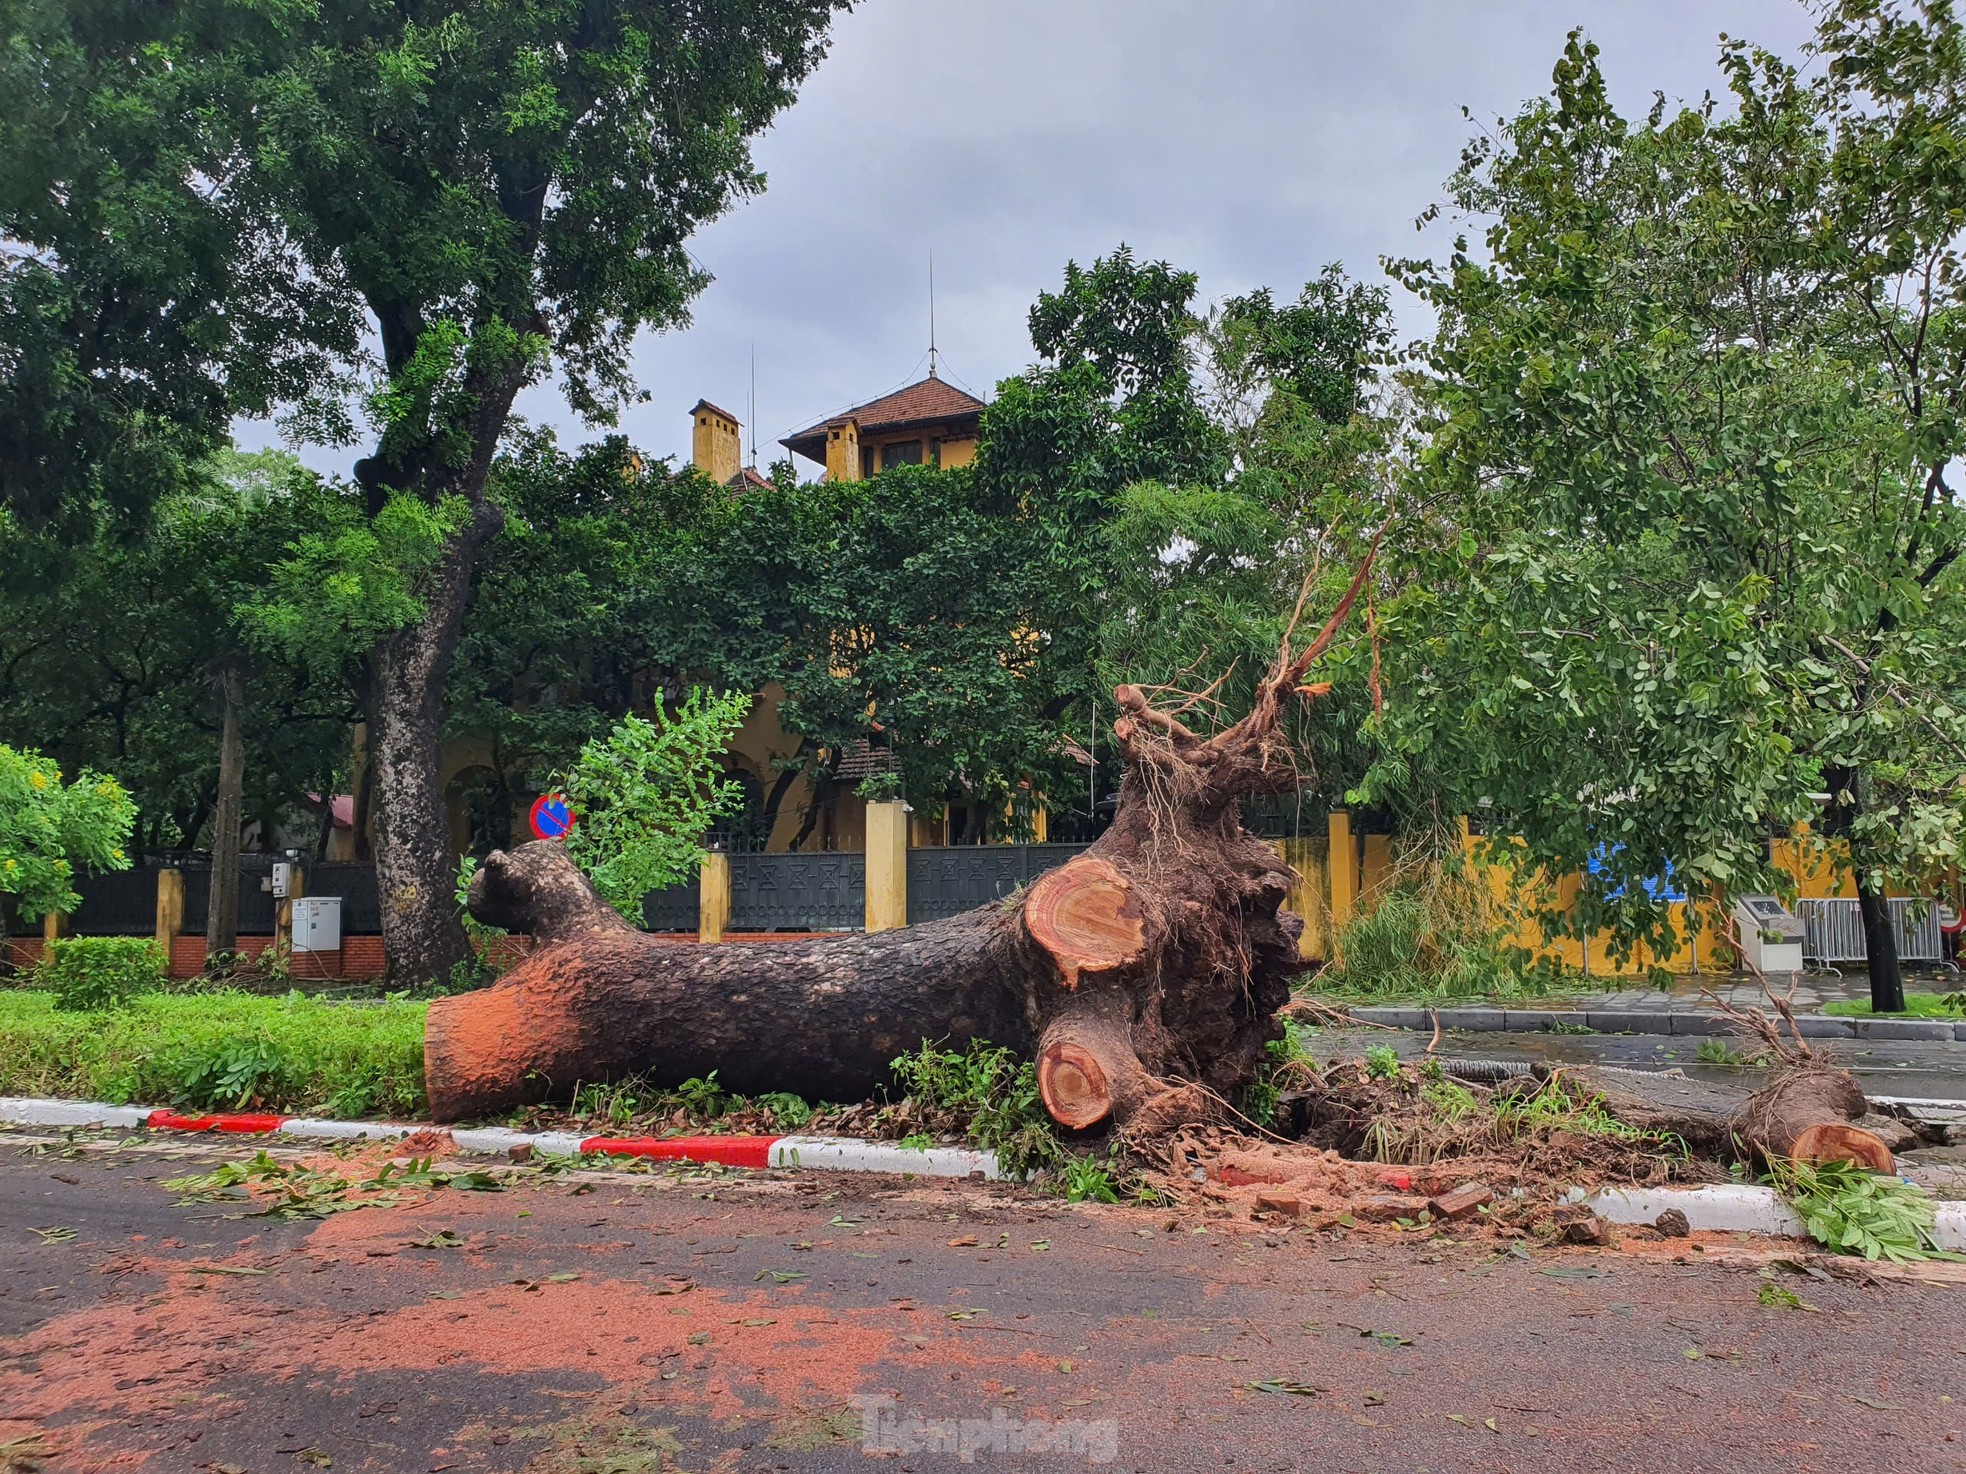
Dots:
pixel 820 1153
pixel 1728 1208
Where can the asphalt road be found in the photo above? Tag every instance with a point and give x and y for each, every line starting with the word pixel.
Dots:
pixel 613 1323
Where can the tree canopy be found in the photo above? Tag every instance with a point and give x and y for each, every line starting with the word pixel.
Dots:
pixel 1681 567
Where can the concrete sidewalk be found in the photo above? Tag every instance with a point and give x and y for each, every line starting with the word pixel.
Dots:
pixel 1685 1010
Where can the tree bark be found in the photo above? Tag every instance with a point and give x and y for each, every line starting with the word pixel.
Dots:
pixel 1887 977
pixel 423 937
pixel 222 908
pixel 1146 972
pixel 1807 1113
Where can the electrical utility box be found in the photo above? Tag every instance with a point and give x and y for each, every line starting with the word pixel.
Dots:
pixel 317 924
pixel 1771 934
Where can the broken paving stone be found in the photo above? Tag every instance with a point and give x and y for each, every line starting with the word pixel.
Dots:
pixel 1389 1207
pixel 1579 1225
pixel 520 1151
pixel 1276 1201
pixel 1462 1201
pixel 1672 1223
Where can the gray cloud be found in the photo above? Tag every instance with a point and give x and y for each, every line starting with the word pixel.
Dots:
pixel 1249 140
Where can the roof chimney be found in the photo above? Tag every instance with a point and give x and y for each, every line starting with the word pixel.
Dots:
pixel 716 446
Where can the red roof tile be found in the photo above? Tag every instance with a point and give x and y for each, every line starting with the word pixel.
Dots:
pixel 927 402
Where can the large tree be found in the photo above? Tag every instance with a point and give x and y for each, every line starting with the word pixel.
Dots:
pixel 1680 562
pixel 118 648
pixel 489 191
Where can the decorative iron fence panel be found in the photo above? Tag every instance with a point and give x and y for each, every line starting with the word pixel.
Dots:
pixel 673 909
pixel 1286 816
pixel 799 892
pixel 256 906
pixel 122 903
pixel 1833 930
pixel 949 879
pixel 361 902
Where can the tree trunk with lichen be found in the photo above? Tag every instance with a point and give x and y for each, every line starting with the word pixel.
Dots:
pixel 1144 975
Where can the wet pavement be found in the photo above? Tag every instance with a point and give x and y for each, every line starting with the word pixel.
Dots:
pixel 620 1323
pixel 1898 1067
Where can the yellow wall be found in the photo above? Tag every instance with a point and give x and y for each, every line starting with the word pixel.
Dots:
pixel 843 452
pixel 716 447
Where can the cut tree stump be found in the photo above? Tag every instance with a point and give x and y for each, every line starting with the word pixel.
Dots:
pixel 1143 975
pixel 1807 1113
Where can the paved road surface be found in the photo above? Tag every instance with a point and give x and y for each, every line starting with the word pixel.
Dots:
pixel 1884 1067
pixel 617 1324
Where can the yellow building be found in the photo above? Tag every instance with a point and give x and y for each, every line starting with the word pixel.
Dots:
pixel 929 423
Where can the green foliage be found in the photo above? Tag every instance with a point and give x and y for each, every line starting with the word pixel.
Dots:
pixel 1086 1180
pixel 1917 1005
pixel 292 1053
pixel 298 1190
pixel 1690 547
pixel 232 1074
pixel 1852 1211
pixel 113 639
pixel 89 973
pixel 50 829
pixel 1428 940
pixel 994 1093
pixel 1317 350
pixel 1382 1062
pixel 645 795
pixel 343 587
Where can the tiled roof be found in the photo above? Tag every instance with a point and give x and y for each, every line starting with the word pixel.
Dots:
pixel 927 402
pixel 703 404
pixel 748 480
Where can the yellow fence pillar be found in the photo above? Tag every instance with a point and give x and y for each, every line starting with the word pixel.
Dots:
pixel 887 865
pixel 713 897
pixel 170 908
pixel 1342 862
pixel 1306 899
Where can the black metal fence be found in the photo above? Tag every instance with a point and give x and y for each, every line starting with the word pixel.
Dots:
pixel 822 892
pixel 122 903
pixel 948 879
pixel 674 909
pixel 796 892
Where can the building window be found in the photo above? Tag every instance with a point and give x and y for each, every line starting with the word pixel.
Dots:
pixel 866 461
pixel 901 453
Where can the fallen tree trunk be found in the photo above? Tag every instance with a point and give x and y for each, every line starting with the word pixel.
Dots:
pixel 1807 1113
pixel 1144 974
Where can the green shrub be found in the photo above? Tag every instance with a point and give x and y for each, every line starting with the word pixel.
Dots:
pixel 286 1053
pixel 1430 939
pixel 88 973
pixel 993 1093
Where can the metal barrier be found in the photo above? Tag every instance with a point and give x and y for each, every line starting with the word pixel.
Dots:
pixel 798 892
pixel 1833 930
pixel 361 905
pixel 120 903
pixel 945 880
pixel 674 909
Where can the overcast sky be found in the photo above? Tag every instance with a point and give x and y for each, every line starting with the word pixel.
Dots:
pixel 1248 140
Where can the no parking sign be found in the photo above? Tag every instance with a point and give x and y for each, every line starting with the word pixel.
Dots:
pixel 551 817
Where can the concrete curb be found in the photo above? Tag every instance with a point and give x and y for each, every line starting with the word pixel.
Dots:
pixel 1739 1208
pixel 1729 1208
pixel 1679 1021
pixel 809 1153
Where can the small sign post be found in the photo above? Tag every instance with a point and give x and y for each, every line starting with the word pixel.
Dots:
pixel 551 817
